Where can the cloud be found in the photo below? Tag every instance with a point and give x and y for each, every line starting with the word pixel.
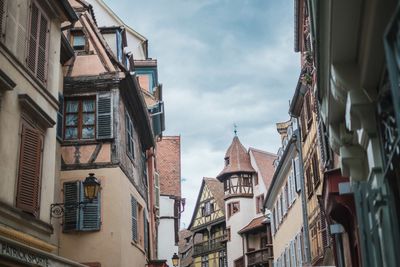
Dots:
pixel 220 62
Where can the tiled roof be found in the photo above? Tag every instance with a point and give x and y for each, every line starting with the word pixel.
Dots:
pixel 185 247
pixel 264 161
pixel 169 165
pixel 217 189
pixel 253 225
pixel 239 159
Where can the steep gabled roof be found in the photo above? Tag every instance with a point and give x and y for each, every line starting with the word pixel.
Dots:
pixel 237 159
pixel 264 161
pixel 217 191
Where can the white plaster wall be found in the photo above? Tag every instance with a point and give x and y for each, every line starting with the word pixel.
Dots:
pixel 104 18
pixel 166 230
pixel 236 222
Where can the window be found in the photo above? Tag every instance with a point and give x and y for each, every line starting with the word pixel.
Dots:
pixel 134 214
pixel 29 171
pixel 309 182
pixel 228 233
pixel 256 179
pixel 227 184
pixel 259 203
pixel 246 180
pixel 204 261
pixel 208 208
pixel 233 208
pixel 315 164
pixel 85 218
pixel 80 119
pixel 78 40
pixel 38 39
pixel 226 161
pixel 130 142
pixel 223 259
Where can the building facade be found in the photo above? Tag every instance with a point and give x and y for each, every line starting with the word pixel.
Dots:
pixel 357 93
pixel 208 226
pixel 106 130
pixel 169 202
pixel 284 200
pixel 32 51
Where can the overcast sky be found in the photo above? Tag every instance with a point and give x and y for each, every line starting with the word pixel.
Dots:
pixel 220 62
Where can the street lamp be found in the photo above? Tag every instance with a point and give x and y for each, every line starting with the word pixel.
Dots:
pixel 91 187
pixel 175 260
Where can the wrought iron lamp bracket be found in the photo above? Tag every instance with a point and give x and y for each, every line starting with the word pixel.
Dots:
pixel 57 209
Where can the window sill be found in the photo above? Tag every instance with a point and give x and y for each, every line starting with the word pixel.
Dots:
pixel 79 142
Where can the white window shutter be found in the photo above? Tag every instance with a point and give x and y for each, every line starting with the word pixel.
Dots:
pixel 297 173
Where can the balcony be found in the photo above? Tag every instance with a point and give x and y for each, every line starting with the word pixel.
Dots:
pixel 210 245
pixel 261 256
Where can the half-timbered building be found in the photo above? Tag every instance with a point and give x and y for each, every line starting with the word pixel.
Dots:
pixel 105 129
pixel 208 226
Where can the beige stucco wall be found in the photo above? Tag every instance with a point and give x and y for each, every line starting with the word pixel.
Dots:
pixel 10 121
pixel 291 225
pixel 112 245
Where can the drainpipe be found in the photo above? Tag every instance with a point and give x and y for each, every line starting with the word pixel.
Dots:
pixel 297 134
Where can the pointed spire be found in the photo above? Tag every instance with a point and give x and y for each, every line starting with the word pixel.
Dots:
pixel 235 129
pixel 237 160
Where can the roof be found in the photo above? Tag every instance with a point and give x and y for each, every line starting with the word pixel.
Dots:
pixel 255 224
pixel 217 189
pixel 264 161
pixel 169 165
pixel 238 159
pixel 185 247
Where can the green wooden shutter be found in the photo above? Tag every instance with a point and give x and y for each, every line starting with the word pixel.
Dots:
pixel 134 218
pixel 60 116
pixel 71 215
pixel 28 189
pixel 90 213
pixel 104 116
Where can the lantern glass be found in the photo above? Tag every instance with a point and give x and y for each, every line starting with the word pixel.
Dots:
pixel 91 187
pixel 175 260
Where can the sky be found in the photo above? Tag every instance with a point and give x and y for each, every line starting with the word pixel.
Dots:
pixel 221 62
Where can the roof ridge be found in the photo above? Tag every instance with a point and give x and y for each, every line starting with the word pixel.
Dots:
pixel 262 151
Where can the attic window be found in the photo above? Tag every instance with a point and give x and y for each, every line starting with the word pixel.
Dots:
pixel 78 40
pixel 226 161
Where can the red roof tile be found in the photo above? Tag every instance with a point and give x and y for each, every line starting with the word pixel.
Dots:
pixel 238 159
pixel 253 225
pixel 169 165
pixel 264 161
pixel 217 190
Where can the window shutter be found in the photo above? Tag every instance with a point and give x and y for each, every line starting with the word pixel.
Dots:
pixel 15 28
pixel 60 116
pixel 296 166
pixel 293 183
pixel 134 218
pixel 71 215
pixel 292 253
pixel 104 116
pixel 38 43
pixel 29 170
pixel 324 233
pixel 272 222
pixel 90 213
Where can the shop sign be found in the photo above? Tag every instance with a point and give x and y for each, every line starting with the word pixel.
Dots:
pixel 22 255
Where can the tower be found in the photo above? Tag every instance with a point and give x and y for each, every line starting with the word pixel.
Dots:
pixel 238 178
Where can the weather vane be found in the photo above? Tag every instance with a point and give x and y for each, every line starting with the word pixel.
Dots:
pixel 235 129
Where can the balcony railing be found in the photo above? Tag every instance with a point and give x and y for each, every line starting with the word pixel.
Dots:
pixel 259 256
pixel 210 245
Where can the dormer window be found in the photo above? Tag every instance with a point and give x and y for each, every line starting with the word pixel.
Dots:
pixel 226 161
pixel 78 40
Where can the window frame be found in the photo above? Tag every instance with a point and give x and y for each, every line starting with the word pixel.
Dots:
pixel 231 207
pixel 80 114
pixel 129 136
